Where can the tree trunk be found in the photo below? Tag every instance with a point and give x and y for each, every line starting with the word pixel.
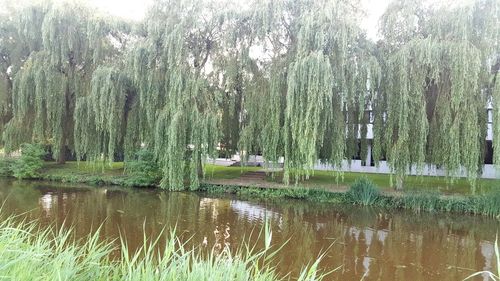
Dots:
pixel 399 183
pixel 61 159
pixel 65 126
pixel 200 168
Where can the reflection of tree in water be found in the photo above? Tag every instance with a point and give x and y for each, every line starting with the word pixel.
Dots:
pixel 17 197
pixel 366 241
pixel 389 246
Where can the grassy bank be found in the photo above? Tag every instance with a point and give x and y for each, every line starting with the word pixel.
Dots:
pixel 486 205
pixel 115 175
pixel 424 198
pixel 28 253
pixel 427 183
pixel 84 172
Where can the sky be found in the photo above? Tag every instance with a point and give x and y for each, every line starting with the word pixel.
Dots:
pixel 136 9
pixel 374 10
pixel 129 9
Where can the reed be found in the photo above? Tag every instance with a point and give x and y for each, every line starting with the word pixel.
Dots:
pixel 488 204
pixel 421 201
pixel 363 192
pixel 30 253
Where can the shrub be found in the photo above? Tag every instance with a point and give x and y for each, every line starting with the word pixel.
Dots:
pixel 6 166
pixel 29 164
pixel 143 170
pixel 363 192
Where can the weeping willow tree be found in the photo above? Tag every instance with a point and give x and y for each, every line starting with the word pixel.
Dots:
pixel 14 50
pixel 317 73
pixel 177 115
pixel 7 48
pixel 101 117
pixel 438 68
pixel 286 78
pixel 65 43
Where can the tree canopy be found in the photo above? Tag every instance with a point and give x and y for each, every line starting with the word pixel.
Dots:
pixel 286 78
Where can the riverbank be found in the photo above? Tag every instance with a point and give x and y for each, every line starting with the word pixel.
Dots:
pixel 220 179
pixel 486 205
pixel 220 175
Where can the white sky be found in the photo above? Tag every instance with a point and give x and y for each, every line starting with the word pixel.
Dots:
pixel 130 9
pixel 136 9
pixel 374 10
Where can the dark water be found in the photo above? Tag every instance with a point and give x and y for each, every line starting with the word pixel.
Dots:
pixel 365 243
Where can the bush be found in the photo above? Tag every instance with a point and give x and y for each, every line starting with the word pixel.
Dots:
pixel 143 170
pixel 6 166
pixel 29 164
pixel 363 192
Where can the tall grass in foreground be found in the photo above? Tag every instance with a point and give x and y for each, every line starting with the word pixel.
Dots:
pixel 490 274
pixel 28 253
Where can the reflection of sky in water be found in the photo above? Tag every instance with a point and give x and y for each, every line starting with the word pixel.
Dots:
pixel 368 238
pixel 254 212
pixel 320 225
pixel 46 202
pixel 381 236
pixel 393 247
pixel 207 202
pixel 366 265
pixel 354 231
pixel 488 252
pixel 210 203
pixel 257 213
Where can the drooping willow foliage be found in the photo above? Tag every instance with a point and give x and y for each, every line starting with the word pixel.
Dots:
pixel 286 79
pixel 39 102
pixel 65 43
pixel 177 115
pixel 14 50
pixel 318 75
pixel 101 117
pixel 437 87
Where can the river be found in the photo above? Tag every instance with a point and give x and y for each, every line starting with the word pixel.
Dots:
pixel 362 243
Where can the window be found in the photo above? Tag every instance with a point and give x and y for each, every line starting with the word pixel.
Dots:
pixel 488 153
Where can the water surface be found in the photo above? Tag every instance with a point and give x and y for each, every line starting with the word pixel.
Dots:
pixel 373 244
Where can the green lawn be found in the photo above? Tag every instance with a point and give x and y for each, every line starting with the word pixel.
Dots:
pixel 441 184
pixel 222 172
pixel 324 179
pixel 83 168
pixel 74 171
pixel 84 172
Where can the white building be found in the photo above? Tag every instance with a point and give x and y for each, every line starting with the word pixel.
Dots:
pixel 368 166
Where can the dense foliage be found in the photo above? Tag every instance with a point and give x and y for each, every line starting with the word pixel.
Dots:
pixel 285 78
pixel 6 165
pixel 143 170
pixel 30 162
